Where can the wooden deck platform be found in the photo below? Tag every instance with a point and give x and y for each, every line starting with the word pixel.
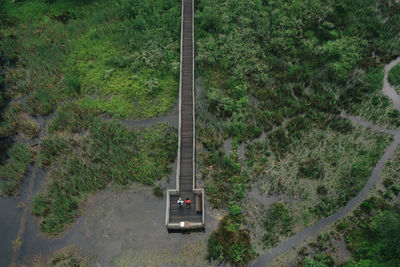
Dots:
pixel 176 217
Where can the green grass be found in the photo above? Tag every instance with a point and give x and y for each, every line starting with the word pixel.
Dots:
pixel 121 59
pixel 12 172
pixel 373 105
pixel 230 243
pixel 394 76
pixel 278 222
pixel 108 154
pixel 14 120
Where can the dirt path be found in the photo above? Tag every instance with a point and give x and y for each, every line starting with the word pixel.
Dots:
pixel 323 224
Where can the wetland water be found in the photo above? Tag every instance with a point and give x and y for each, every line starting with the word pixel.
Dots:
pixel 116 227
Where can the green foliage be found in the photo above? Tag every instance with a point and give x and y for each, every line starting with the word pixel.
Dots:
pixel 13 171
pixel 15 121
pixel 68 257
pixel 310 168
pixel 122 59
pixel 72 118
pixel 394 75
pixel 295 57
pixel 225 181
pixel 278 222
pixel 110 153
pixel 318 260
pixel 373 234
pixel 229 243
pixel 52 147
pixel 157 191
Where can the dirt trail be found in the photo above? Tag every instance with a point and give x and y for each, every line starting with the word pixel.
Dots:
pixel 323 224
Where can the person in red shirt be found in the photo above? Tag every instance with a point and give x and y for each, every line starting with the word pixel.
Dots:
pixel 188 202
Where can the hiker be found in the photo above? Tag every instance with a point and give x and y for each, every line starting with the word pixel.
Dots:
pixel 188 202
pixel 180 202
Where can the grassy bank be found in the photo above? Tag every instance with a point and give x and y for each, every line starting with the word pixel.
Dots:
pixel 12 172
pixel 106 153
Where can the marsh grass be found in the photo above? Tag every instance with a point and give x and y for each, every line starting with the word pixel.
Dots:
pixel 374 106
pixel 12 172
pixel 394 76
pixel 343 165
pixel 14 120
pixel 122 59
pixel 108 154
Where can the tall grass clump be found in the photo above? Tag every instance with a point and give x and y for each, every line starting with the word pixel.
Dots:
pixel 394 75
pixel 12 172
pixel 15 121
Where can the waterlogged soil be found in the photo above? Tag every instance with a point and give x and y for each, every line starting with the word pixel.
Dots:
pixel 117 227
pixel 122 228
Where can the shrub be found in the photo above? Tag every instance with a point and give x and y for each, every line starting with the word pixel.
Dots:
pixel 157 191
pixel 277 222
pixel 322 190
pixel 229 243
pixel 310 168
pixel 394 75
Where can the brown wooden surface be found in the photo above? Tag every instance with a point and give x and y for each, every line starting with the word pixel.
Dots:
pixel 186 154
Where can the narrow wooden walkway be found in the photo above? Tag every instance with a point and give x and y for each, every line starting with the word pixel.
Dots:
pixel 181 217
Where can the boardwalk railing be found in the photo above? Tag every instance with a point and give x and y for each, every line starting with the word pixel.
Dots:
pixel 179 217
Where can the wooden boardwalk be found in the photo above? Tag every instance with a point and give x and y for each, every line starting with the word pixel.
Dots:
pixel 181 217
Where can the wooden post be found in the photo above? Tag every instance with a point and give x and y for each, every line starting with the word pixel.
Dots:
pixel 198 203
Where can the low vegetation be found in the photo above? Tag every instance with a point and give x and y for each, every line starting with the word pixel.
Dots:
pixel 278 222
pixel 12 172
pixel 107 153
pixel 66 257
pixel 371 234
pixel 394 76
pixel 284 70
pixel 14 120
pixel 230 242
pixel 120 58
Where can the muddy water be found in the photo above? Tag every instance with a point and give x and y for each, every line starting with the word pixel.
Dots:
pixel 120 226
pixel 10 214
